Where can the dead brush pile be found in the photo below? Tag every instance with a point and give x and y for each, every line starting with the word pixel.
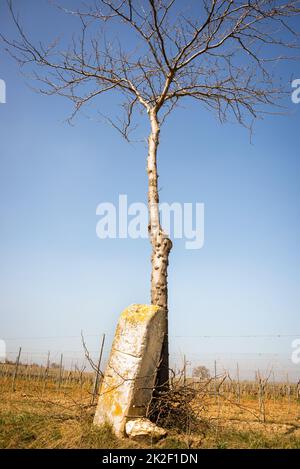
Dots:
pixel 181 407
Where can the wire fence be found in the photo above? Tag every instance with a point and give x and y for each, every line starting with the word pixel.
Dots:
pixel 193 350
pixel 252 352
pixel 254 380
pixel 53 376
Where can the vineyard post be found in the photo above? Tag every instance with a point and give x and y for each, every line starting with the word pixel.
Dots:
pixel 16 370
pixel 98 371
pixel 298 390
pixel 60 371
pixel 46 372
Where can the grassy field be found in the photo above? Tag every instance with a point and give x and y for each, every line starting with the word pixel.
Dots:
pixel 35 416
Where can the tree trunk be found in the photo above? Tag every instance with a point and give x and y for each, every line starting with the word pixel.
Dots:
pixel 161 247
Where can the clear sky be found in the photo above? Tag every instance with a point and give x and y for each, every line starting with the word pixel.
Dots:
pixel 57 278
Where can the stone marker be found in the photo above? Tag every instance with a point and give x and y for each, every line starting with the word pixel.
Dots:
pixel 130 374
pixel 143 429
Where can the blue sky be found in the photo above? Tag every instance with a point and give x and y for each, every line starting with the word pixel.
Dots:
pixel 57 277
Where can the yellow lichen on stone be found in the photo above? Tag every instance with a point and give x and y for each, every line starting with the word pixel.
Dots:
pixel 137 313
pixel 111 397
pixel 117 409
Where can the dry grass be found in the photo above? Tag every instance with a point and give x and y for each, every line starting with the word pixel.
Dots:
pixel 32 417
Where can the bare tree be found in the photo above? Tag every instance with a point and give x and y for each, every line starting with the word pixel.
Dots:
pixel 201 372
pixel 221 53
